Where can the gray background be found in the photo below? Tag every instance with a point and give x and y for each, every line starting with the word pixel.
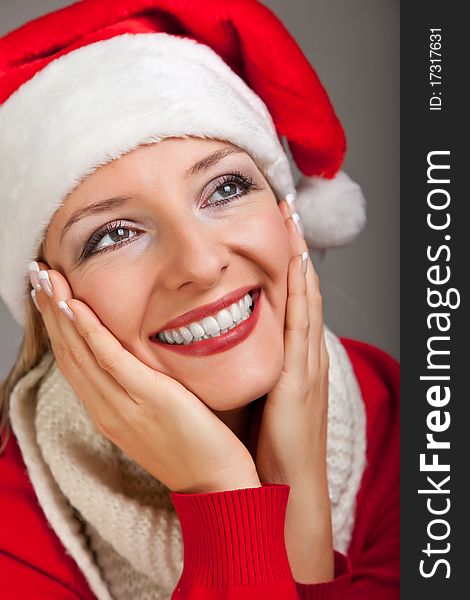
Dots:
pixel 354 47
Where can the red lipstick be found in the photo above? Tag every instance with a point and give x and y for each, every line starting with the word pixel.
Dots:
pixel 205 310
pixel 222 342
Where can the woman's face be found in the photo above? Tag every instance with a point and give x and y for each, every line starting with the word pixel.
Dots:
pixel 194 220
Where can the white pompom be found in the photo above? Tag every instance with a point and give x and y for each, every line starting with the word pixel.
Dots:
pixel 332 210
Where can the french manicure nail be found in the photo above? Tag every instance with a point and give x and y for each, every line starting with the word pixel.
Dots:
pixel 64 307
pixel 33 296
pixel 33 269
pixel 304 262
pixel 45 282
pixel 290 200
pixel 298 223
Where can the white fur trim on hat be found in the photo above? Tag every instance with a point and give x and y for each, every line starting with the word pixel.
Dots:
pixel 332 210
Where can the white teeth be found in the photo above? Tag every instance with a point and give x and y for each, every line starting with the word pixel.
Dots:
pixel 224 319
pixel 169 337
pixel 179 339
pixel 235 312
pixel 210 327
pixel 197 330
pixel 187 335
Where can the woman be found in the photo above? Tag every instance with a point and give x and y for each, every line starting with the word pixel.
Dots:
pixel 176 386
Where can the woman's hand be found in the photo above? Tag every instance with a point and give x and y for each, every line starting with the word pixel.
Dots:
pixel 154 419
pixel 292 436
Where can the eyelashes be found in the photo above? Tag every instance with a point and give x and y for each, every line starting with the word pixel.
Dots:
pixel 233 179
pixel 94 241
pixel 231 187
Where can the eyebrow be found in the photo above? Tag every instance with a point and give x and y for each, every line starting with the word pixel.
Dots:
pixel 94 209
pixel 210 160
pixel 105 205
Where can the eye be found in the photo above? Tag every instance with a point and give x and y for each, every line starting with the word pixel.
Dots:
pixel 227 188
pixel 119 234
pixel 110 237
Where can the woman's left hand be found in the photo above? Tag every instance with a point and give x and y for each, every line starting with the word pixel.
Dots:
pixel 291 447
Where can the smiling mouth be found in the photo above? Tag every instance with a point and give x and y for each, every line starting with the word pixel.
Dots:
pixel 211 326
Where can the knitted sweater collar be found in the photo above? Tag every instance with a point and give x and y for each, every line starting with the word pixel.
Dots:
pixel 114 518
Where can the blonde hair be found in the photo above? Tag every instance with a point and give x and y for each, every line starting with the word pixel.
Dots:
pixel 34 344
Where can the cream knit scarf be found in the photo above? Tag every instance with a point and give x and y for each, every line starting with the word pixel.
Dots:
pixel 114 518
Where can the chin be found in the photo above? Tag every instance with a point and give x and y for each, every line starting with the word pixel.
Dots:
pixel 252 371
pixel 240 388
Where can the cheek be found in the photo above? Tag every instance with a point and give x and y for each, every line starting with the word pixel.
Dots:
pixel 269 247
pixel 117 296
pixel 258 232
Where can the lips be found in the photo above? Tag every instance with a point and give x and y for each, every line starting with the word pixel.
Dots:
pixel 222 342
pixel 206 310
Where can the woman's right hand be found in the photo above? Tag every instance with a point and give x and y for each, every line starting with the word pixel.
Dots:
pixel 151 417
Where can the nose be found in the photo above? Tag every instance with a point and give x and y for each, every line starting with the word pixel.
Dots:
pixel 195 254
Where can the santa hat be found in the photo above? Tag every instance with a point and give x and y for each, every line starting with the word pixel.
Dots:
pixel 82 86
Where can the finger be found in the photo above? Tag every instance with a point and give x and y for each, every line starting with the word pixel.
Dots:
pixel 284 208
pixel 324 382
pixel 299 342
pixel 294 227
pixel 296 331
pixel 56 326
pixel 45 304
pixel 315 306
pixel 126 369
pixel 94 385
pixel 314 298
pixel 74 358
pixel 111 370
pixel 324 355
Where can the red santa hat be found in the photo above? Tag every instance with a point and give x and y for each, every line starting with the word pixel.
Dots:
pixel 82 86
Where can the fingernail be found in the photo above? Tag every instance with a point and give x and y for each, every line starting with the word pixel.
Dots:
pixel 45 282
pixel 298 223
pixel 33 296
pixel 64 307
pixel 33 268
pixel 304 262
pixel 290 200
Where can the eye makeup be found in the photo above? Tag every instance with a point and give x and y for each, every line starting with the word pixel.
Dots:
pixel 230 188
pixel 107 229
pixel 227 183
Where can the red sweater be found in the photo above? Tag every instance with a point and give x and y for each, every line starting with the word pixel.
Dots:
pixel 233 540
